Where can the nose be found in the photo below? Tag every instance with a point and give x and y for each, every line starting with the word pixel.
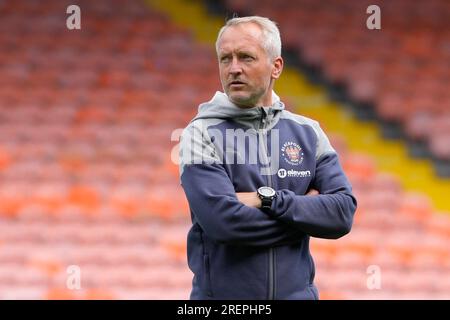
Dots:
pixel 235 68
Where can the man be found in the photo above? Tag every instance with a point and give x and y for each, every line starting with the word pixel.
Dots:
pixel 247 166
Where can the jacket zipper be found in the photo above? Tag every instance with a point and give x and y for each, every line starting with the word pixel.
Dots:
pixel 262 125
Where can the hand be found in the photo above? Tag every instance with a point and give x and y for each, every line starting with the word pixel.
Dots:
pixel 312 192
pixel 250 199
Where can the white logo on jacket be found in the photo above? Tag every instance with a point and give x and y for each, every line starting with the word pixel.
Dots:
pixel 283 173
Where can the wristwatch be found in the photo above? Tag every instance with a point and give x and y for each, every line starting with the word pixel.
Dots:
pixel 266 194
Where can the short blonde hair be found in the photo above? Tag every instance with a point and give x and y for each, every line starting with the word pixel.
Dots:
pixel 271 35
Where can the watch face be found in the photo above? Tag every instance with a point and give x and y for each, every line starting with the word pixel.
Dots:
pixel 266 191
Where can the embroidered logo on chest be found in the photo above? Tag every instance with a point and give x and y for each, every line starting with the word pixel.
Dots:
pixel 292 153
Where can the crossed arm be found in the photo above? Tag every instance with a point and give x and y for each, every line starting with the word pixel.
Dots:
pixel 326 215
pixel 251 199
pixel 235 218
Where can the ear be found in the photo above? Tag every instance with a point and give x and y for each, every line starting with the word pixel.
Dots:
pixel 277 67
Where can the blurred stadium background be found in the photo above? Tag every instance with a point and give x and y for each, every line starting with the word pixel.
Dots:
pixel 86 118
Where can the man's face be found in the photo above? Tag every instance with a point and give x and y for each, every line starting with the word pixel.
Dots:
pixel 246 72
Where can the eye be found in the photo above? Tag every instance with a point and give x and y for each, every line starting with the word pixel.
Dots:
pixel 247 58
pixel 225 59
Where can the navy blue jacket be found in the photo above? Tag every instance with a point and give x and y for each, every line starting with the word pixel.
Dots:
pixel 241 252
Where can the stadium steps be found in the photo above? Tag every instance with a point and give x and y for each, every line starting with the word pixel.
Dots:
pixel 312 101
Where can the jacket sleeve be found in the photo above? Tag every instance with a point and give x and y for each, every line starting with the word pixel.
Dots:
pixel 327 215
pixel 214 204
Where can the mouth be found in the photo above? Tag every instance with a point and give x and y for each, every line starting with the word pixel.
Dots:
pixel 236 83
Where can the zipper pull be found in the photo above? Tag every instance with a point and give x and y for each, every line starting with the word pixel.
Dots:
pixel 263 117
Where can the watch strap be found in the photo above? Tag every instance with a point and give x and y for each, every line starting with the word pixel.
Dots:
pixel 266 203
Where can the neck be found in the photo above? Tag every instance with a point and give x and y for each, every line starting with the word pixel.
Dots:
pixel 264 101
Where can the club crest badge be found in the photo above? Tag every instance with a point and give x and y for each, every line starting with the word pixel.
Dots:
pixel 292 153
